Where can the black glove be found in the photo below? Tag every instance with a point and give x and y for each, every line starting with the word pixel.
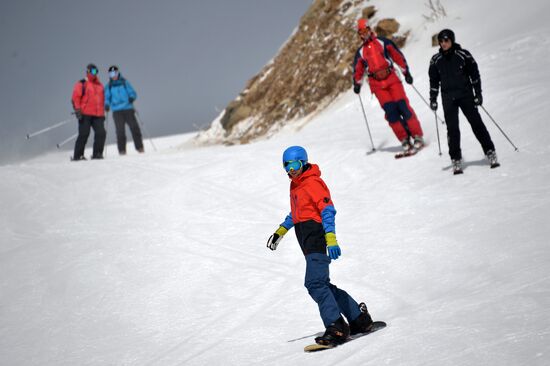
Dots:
pixel 478 99
pixel 433 104
pixel 357 88
pixel 107 108
pixel 78 114
pixel 131 100
pixel 408 78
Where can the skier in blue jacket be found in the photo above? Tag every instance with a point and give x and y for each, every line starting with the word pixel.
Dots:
pixel 120 96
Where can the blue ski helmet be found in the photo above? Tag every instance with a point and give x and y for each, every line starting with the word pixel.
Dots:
pixel 295 153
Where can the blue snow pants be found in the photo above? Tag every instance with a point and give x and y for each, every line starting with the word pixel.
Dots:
pixel 331 300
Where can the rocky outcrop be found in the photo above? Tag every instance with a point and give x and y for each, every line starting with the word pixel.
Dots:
pixel 311 69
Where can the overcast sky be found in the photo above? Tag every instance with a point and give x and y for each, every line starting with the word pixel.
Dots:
pixel 186 59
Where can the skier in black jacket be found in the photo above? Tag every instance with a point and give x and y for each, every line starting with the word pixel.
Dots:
pixel 457 72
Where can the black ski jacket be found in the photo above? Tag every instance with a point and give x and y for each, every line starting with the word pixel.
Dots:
pixel 456 71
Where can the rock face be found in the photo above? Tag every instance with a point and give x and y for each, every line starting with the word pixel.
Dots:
pixel 311 69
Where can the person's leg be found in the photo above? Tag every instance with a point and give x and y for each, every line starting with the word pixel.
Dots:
pixel 118 117
pixel 317 282
pixel 347 305
pixel 478 127
pixel 83 134
pixel 98 124
pixel 134 129
pixel 405 110
pixel 450 109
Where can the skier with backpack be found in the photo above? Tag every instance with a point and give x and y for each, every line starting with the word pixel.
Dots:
pixel 313 218
pixel 120 96
pixel 456 71
pixel 376 58
pixel 88 104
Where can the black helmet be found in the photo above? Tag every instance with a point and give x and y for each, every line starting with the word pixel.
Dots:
pixel 446 34
pixel 90 67
pixel 113 68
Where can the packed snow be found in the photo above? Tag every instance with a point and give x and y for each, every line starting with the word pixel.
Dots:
pixel 161 258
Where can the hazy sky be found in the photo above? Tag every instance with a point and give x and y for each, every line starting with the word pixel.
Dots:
pixel 186 59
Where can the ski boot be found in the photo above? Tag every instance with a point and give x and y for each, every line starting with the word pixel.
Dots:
pixel 363 323
pixel 457 166
pixel 73 158
pixel 418 142
pixel 407 147
pixel 335 334
pixel 492 156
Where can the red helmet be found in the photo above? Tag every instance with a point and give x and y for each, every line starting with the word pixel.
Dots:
pixel 362 24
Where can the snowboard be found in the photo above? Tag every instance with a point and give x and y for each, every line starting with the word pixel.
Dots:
pixel 319 347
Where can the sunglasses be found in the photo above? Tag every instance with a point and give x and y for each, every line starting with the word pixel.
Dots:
pixel 293 165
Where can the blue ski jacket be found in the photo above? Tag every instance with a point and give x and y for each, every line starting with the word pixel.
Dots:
pixel 119 94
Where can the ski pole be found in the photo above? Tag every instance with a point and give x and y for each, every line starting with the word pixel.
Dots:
pixel 29 135
pixel 437 130
pixel 106 134
pixel 67 140
pixel 496 124
pixel 143 128
pixel 366 121
pixel 425 102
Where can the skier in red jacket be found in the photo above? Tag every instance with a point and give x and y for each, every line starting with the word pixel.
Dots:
pixel 376 58
pixel 312 216
pixel 89 107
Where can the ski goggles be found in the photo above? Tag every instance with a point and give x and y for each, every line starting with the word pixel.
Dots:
pixel 293 165
pixel 93 71
pixel 113 74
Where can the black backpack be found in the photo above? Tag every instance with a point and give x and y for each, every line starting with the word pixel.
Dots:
pixel 83 83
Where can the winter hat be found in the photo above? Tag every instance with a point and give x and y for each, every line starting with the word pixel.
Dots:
pixel 446 33
pixel 362 24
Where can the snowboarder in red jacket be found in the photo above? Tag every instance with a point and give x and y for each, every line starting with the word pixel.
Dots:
pixel 376 58
pixel 312 216
pixel 89 107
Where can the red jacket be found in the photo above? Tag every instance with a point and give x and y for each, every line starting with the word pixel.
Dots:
pixel 309 195
pixel 375 56
pixel 92 103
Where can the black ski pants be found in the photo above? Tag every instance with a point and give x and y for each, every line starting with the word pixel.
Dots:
pixel 84 125
pixel 121 119
pixel 466 104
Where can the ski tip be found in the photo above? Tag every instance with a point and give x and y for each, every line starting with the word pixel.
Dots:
pixel 28 137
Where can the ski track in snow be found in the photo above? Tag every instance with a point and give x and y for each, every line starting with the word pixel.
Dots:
pixel 160 259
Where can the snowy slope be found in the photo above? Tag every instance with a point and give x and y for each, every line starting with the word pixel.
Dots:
pixel 160 259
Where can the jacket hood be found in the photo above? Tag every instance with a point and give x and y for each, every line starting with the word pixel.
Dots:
pixel 312 170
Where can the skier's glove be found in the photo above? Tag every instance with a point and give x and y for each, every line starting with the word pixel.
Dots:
pixel 131 100
pixel 357 88
pixel 478 100
pixel 78 114
pixel 274 239
pixel 107 108
pixel 433 105
pixel 408 78
pixel 333 248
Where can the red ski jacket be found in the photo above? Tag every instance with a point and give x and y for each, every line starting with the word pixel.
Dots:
pixel 376 57
pixel 88 96
pixel 309 196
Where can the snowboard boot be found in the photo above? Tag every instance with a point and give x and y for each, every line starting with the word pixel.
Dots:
pixel 418 142
pixel 492 156
pixel 457 166
pixel 363 323
pixel 335 334
pixel 406 145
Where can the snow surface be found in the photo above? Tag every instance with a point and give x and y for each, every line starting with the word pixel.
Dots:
pixel 160 259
